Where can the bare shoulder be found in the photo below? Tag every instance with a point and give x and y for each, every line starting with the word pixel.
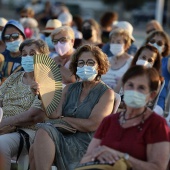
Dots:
pixel 109 93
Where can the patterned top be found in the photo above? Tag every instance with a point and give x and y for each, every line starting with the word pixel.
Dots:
pixel 17 97
pixel 9 64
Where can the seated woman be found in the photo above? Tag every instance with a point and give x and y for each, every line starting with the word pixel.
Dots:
pixel 120 62
pixel 83 104
pixel 21 107
pixel 161 41
pixel 135 127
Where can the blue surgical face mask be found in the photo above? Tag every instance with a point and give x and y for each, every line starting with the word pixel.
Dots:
pixel 134 98
pixel 86 73
pixel 49 42
pixel 27 63
pixel 13 46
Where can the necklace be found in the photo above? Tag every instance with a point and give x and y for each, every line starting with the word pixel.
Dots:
pixel 125 119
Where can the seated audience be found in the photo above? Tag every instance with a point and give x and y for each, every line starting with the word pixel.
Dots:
pixel 138 135
pixel 51 25
pixel 12 35
pixel 83 105
pixel 128 27
pixel 21 107
pixel 63 40
pixel 120 61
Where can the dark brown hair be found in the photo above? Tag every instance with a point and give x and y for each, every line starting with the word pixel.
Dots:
pixel 138 70
pixel 166 52
pixel 157 63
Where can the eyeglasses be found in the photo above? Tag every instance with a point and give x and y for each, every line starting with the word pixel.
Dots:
pixel 159 43
pixel 89 62
pixel 14 36
pixel 62 40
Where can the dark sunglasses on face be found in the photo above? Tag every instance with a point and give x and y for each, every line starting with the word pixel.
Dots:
pixel 159 43
pixel 89 62
pixel 14 36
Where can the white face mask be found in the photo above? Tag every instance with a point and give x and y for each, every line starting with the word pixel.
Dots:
pixel 159 48
pixel 144 63
pixel 117 49
pixel 134 98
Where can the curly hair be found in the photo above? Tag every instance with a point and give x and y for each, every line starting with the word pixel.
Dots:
pixel 102 59
pixel 41 45
pixel 166 52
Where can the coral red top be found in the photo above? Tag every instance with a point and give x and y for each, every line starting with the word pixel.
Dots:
pixel 132 140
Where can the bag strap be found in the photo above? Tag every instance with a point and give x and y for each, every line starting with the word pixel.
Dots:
pixel 23 136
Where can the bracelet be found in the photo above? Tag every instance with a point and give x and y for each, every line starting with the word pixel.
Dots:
pixel 126 156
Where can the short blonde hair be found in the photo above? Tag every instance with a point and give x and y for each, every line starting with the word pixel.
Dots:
pixel 123 33
pixel 66 29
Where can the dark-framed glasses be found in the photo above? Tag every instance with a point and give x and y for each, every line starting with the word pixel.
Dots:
pixel 14 36
pixel 62 40
pixel 159 43
pixel 89 62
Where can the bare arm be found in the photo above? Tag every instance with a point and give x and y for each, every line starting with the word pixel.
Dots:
pixel 157 156
pixel 29 117
pixel 102 109
pixel 67 76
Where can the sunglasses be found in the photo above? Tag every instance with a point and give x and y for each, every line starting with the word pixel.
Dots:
pixel 14 36
pixel 159 43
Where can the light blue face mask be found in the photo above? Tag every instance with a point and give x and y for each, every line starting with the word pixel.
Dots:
pixel 27 63
pixel 86 73
pixel 134 98
pixel 49 42
pixel 13 46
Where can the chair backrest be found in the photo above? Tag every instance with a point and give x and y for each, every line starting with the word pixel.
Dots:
pixel 116 102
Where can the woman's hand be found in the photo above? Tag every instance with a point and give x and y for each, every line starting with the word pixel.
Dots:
pixel 105 154
pixel 35 88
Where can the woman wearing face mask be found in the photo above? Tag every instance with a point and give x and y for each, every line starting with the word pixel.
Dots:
pixel 137 134
pixel 161 41
pixel 21 107
pixel 83 105
pixel 12 35
pixel 91 33
pixel 51 25
pixel 120 62
pixel 63 41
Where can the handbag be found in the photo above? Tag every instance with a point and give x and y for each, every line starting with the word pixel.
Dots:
pixel 7 129
pixel 121 164
pixel 61 125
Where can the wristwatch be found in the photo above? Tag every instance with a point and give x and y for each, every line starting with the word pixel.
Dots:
pixel 126 156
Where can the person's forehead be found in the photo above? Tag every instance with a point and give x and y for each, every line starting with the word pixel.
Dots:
pixel 139 80
pixel 11 29
pixel 30 47
pixel 61 34
pixel 87 55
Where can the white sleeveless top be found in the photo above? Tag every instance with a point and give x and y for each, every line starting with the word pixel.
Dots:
pixel 112 77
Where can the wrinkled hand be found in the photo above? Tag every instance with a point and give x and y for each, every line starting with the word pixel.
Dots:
pixel 105 154
pixel 35 88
